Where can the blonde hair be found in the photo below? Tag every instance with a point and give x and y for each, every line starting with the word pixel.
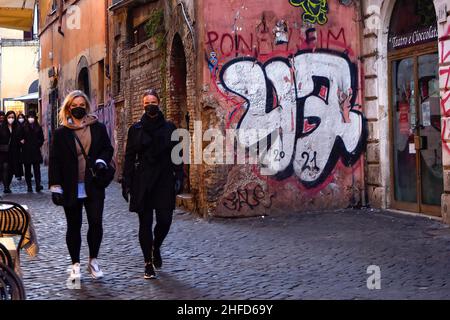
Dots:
pixel 64 113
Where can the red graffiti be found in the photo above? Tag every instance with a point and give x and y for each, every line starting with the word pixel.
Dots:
pixel 444 72
pixel 443 40
pixel 444 56
pixel 445 135
pixel 228 45
pixel 337 41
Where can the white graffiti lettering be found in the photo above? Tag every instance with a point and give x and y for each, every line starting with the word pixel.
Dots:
pixel 308 101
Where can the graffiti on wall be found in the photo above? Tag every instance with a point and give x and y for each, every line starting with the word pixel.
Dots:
pixel 263 43
pixel 444 42
pixel 296 81
pixel 251 196
pixel 308 99
pixel 444 73
pixel 106 116
pixel 314 11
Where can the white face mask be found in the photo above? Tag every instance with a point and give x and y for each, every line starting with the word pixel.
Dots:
pixel 10 120
pixel 31 120
pixel 21 120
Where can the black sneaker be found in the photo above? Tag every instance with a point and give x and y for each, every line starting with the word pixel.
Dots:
pixel 30 189
pixel 149 271
pixel 7 191
pixel 157 260
pixel 39 188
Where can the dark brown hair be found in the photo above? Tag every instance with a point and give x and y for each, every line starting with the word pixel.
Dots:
pixel 151 92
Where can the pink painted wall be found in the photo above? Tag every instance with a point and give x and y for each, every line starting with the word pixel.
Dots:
pixel 306 90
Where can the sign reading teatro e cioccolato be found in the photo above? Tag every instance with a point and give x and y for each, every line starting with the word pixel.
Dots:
pixel 414 38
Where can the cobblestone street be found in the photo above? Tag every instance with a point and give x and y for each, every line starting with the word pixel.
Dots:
pixel 320 255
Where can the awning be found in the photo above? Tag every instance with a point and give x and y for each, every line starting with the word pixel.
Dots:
pixel 17 14
pixel 31 97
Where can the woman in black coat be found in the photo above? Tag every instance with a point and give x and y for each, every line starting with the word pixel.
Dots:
pixel 151 179
pixel 21 121
pixel 10 135
pixel 32 141
pixel 71 177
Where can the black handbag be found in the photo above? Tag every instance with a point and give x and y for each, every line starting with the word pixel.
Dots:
pixel 103 180
pixel 5 147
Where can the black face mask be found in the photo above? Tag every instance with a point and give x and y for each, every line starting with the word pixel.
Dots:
pixel 152 109
pixel 78 113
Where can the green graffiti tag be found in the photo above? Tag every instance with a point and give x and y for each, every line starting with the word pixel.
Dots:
pixel 315 11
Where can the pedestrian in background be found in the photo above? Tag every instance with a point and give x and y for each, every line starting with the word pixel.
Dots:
pixel 20 123
pixel 151 179
pixel 10 135
pixel 31 143
pixel 2 117
pixel 71 177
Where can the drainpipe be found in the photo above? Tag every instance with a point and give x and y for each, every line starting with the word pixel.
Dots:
pixel 360 10
pixel 1 73
pixel 180 3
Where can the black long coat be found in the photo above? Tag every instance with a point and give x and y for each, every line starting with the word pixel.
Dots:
pixel 13 139
pixel 63 162
pixel 34 139
pixel 149 172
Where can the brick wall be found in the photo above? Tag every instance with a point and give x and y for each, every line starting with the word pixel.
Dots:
pixel 140 70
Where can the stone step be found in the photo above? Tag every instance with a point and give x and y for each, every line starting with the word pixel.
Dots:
pixel 186 201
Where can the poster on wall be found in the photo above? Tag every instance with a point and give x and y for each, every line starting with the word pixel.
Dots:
pixel 426 114
pixel 404 118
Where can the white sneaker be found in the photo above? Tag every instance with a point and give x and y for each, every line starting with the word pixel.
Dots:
pixel 94 269
pixel 75 272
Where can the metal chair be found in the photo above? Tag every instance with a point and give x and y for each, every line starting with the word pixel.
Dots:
pixel 5 256
pixel 14 221
pixel 11 286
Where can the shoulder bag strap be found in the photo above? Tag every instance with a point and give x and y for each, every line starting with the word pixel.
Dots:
pixel 86 157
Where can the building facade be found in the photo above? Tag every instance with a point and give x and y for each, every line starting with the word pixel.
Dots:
pixel 19 55
pixel 292 68
pixel 73 39
pixel 343 103
pixel 237 66
pixel 406 62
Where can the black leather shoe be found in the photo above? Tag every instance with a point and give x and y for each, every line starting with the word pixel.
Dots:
pixel 157 260
pixel 30 189
pixel 7 191
pixel 39 188
pixel 149 271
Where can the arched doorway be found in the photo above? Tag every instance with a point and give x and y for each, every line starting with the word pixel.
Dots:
pixel 178 92
pixel 83 81
pixel 416 145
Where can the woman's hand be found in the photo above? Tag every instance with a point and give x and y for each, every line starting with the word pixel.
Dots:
pixel 125 191
pixel 178 186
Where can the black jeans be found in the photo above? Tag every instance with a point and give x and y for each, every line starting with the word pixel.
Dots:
pixel 37 174
pixel 6 174
pixel 94 211
pixel 162 227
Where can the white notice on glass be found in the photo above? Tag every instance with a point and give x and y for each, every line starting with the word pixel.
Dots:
pixel 412 148
pixel 426 114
